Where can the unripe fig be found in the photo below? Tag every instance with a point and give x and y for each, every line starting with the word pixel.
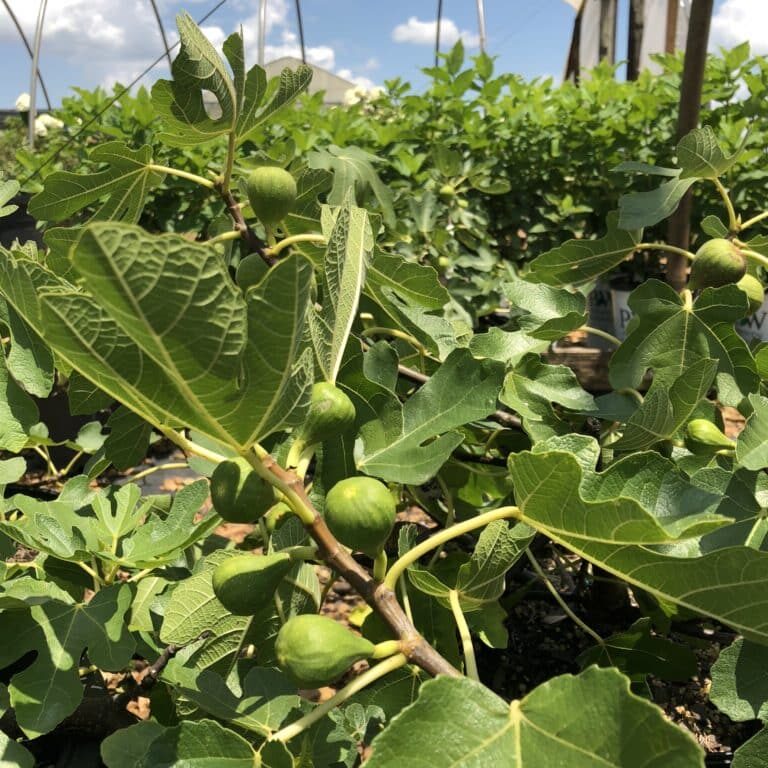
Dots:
pixel 703 437
pixel 462 203
pixel 245 584
pixel 331 413
pixel 718 262
pixel 447 190
pixel 238 494
pixel 754 290
pixel 315 650
pixel 360 513
pixel 271 193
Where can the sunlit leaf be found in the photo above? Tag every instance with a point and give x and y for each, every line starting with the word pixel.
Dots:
pixel 610 726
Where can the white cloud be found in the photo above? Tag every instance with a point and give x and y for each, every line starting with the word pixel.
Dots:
pixel 739 20
pixel 109 41
pixel 89 30
pixel 365 83
pixel 423 33
pixel 320 55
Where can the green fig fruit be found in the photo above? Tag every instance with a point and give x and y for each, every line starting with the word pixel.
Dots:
pixel 331 413
pixel 245 584
pixel 447 190
pixel 360 513
pixel 271 193
pixel 754 290
pixel 702 437
pixel 315 650
pixel 238 494
pixel 718 262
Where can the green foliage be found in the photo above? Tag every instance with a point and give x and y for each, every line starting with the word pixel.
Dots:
pixel 334 362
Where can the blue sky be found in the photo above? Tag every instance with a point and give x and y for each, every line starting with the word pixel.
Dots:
pixel 98 42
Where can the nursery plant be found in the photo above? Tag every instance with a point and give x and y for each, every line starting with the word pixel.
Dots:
pixel 318 381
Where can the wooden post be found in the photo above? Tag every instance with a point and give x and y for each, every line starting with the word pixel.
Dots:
pixel 670 36
pixel 635 38
pixel 572 64
pixel 679 227
pixel 608 30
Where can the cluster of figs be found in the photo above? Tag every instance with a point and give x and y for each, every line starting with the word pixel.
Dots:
pixel 315 650
pixel 360 512
pixel 719 262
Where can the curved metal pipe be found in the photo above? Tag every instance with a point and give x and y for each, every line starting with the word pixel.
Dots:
pixel 33 84
pixel 29 49
pixel 262 30
pixel 481 24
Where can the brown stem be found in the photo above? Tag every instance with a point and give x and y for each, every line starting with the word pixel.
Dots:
pixel 500 417
pixel 381 598
pixel 254 244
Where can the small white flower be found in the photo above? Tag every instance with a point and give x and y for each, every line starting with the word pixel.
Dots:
pixel 354 95
pixel 22 103
pixel 40 128
pixel 50 122
pixel 361 93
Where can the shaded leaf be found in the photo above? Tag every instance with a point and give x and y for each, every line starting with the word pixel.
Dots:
pixel 233 372
pixel 260 703
pixel 200 744
pixel 638 653
pixel 408 443
pixel 59 631
pixel 29 361
pixel 740 681
pixel 752 442
pixel 667 407
pixel 580 261
pixel 669 336
pixel 12 754
pixel 125 183
pixel 550 313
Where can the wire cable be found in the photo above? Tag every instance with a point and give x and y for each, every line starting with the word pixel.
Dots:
pixel 301 32
pixel 437 30
pixel 117 96
pixel 162 31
